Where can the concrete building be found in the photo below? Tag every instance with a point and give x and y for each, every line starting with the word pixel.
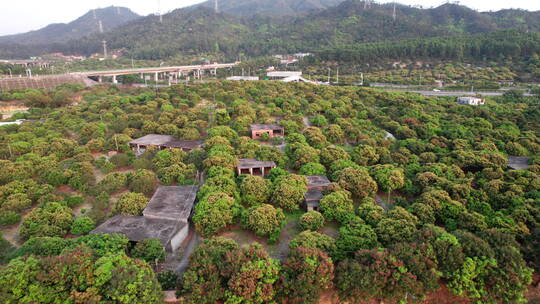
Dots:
pixel 137 228
pixel 316 185
pixel 471 101
pixel 257 130
pixel 254 167
pixel 8 123
pixel 243 78
pixel 162 142
pixel 518 162
pixel 166 218
pixel 171 202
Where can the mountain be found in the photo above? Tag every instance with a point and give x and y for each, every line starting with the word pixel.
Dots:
pixel 110 17
pixel 354 22
pixel 198 30
pixel 247 8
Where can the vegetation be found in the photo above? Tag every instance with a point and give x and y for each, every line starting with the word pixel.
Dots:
pixel 435 205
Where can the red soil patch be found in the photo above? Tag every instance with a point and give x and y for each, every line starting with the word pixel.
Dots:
pixel 66 189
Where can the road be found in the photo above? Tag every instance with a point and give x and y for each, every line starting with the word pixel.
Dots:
pixel 448 93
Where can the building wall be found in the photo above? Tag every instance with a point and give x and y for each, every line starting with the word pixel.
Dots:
pixel 177 240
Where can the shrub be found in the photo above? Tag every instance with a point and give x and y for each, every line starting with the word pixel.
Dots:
pixel 312 220
pixel 149 250
pixel 73 201
pixel 112 183
pixel 52 219
pixel 264 220
pixel 9 218
pixel 120 160
pixel 82 225
pixel 337 206
pixel 167 279
pixel 130 203
pixel 142 181
pixel 312 169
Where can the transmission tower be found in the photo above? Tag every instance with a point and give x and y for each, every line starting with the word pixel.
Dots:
pixel 216 6
pixel 394 13
pixel 94 12
pixel 104 48
pixel 159 11
pixel 100 25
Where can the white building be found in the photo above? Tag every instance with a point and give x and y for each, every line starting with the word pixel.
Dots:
pixel 471 101
pixel 243 78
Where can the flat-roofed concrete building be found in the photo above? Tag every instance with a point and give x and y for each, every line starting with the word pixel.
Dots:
pixel 471 101
pixel 518 162
pixel 170 233
pixel 166 217
pixel 243 78
pixel 254 167
pixel 257 130
pixel 162 142
pixel 316 185
pixel 171 202
pixel 317 182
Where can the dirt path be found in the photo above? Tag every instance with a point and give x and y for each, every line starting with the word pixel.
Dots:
pixel 11 234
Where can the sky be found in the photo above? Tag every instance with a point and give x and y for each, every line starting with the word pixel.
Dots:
pixel 25 15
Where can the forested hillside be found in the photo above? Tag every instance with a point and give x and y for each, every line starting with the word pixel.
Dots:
pixel 270 8
pixel 199 30
pixel 110 17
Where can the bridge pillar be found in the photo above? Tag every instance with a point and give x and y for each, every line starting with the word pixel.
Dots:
pixel 142 75
pixel 156 77
pixel 114 80
pixel 100 79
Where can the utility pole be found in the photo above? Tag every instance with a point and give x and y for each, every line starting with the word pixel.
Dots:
pixel 328 75
pixel 104 48
pixel 337 76
pixel 159 12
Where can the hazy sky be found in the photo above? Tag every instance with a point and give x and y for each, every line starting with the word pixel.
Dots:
pixel 25 15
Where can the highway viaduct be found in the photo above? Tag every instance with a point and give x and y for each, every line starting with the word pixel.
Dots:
pixel 174 72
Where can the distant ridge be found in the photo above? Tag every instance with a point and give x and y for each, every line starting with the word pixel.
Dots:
pixel 110 17
pixel 246 8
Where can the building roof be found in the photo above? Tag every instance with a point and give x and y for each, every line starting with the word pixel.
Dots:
pixel 518 162
pixel 283 74
pixel 317 181
pixel 137 228
pixel 166 141
pixel 256 127
pixel 247 163
pixel 248 78
pixel 172 202
pixel 313 195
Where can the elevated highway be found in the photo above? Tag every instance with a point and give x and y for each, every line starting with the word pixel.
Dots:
pixel 172 71
pixel 169 73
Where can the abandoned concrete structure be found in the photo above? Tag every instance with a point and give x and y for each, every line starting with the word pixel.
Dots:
pixel 171 202
pixel 316 185
pixel 317 182
pixel 165 218
pixel 471 101
pixel 137 228
pixel 254 167
pixel 272 130
pixel 518 162
pixel 162 142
